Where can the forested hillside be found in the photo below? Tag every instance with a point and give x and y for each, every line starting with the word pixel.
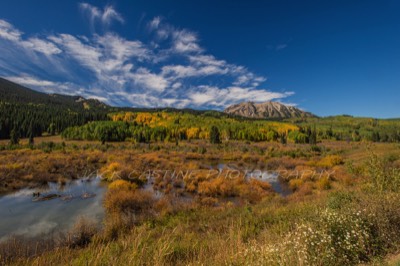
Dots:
pixel 173 126
pixel 28 113
pixel 351 128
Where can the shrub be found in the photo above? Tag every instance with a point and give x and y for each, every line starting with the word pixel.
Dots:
pixel 115 171
pixel 122 184
pixel 110 172
pixel 334 239
pixel 330 161
pixel 338 200
pixel 382 177
pixel 82 233
pixel 219 186
pixel 201 150
pixel 323 183
pixel 209 201
pixel 295 184
pixel 129 201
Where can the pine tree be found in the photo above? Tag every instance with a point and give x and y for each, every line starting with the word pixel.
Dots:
pixel 14 137
pixel 375 136
pixel 313 136
pixel 283 138
pixel 31 140
pixel 215 135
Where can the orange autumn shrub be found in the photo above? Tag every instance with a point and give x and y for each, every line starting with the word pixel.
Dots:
pixel 295 184
pixel 219 186
pixel 323 183
pixel 254 190
pixel 330 161
pixel 116 170
pixel 111 171
pixel 209 201
pixel 128 201
pixel 122 184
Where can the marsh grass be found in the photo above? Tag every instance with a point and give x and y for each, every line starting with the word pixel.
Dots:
pixel 345 227
pixel 325 222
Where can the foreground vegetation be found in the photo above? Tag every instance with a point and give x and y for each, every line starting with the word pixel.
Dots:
pixel 348 216
pixel 341 229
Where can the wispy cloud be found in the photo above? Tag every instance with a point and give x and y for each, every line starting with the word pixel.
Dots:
pixel 31 81
pixel 96 15
pixel 10 33
pixel 154 23
pixel 170 68
pixel 277 47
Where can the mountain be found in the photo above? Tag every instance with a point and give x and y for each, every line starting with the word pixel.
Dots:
pixel 11 92
pixel 266 110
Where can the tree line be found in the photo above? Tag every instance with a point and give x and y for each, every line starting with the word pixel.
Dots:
pixel 29 120
pixel 142 132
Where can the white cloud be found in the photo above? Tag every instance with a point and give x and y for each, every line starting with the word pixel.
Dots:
pixel 154 23
pixel 179 71
pixel 176 85
pixel 147 80
pixel 248 78
pixel 110 14
pixel 43 46
pixel 109 56
pixel 105 17
pixel 10 33
pixel 186 42
pixel 89 56
pixel 121 48
pixel 182 41
pixel 207 60
pixel 31 81
pixel 218 97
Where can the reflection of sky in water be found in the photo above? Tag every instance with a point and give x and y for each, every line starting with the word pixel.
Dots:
pixel 271 177
pixel 20 216
pixel 277 184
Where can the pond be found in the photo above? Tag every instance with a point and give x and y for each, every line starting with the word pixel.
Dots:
pixel 278 185
pixel 56 207
pixel 53 208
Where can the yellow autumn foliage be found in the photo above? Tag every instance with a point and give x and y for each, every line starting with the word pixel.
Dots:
pixel 122 184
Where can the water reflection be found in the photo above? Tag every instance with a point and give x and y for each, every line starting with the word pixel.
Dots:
pixel 23 214
pixel 278 185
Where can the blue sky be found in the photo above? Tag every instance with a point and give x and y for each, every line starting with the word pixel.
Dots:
pixel 327 57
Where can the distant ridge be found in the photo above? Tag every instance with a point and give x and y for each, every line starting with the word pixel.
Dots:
pixel 266 110
pixel 15 93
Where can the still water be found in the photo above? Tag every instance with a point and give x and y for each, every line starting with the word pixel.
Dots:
pixel 56 209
